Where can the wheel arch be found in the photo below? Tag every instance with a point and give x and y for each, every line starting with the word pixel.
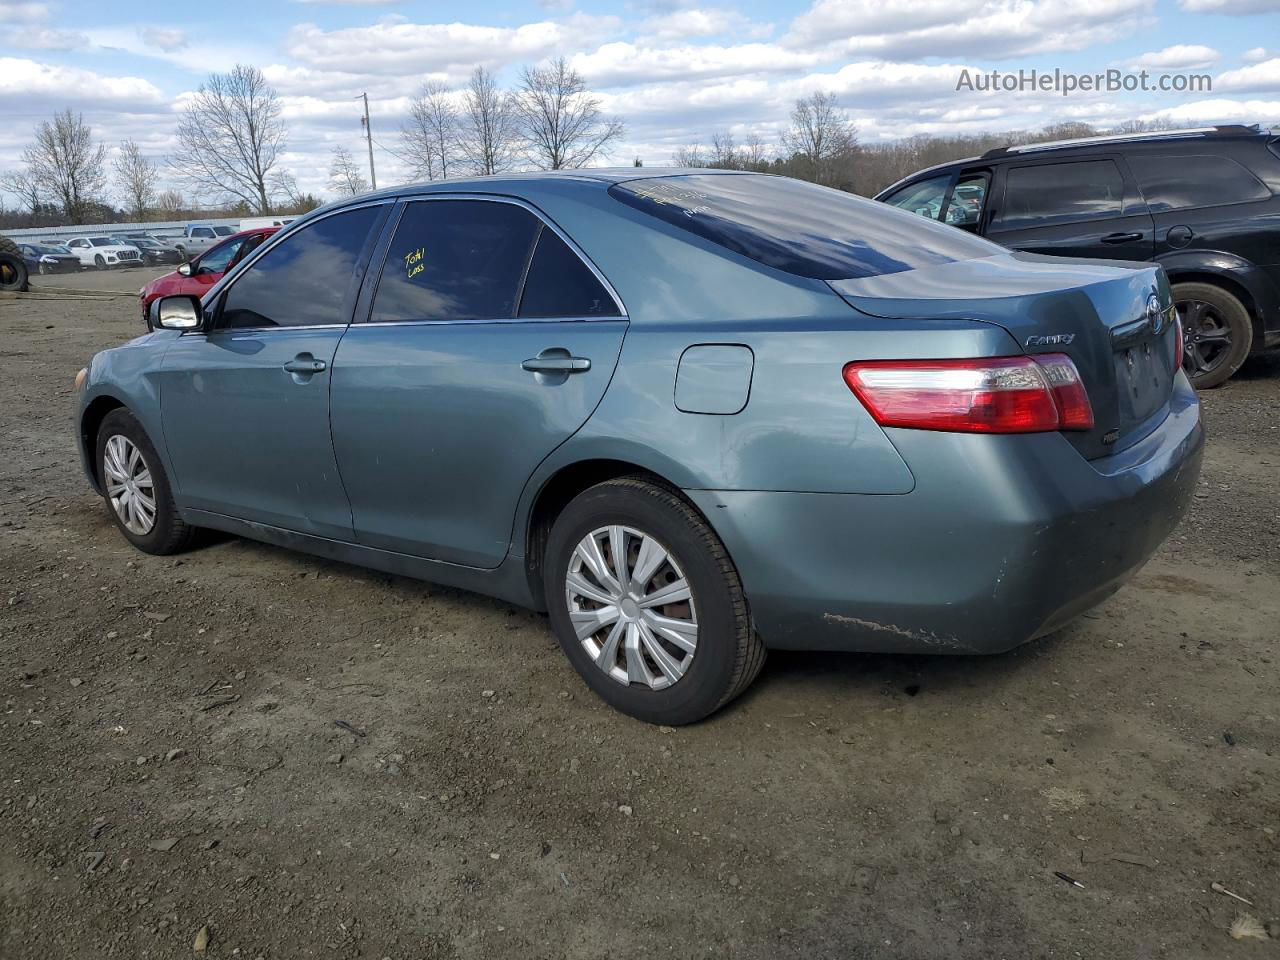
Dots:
pixel 1227 281
pixel 560 488
pixel 90 422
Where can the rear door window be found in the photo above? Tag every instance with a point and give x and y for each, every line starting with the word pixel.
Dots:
pixel 967 198
pixel 455 260
pixel 561 285
pixel 1049 193
pixel 798 227
pixel 1176 183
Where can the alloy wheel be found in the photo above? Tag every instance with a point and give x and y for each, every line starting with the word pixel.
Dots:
pixel 631 607
pixel 1206 337
pixel 129 485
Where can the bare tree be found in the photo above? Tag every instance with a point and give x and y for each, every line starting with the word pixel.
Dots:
pixel 22 185
pixel 488 133
pixel 689 156
pixel 66 164
pixel 822 139
pixel 170 204
pixel 231 137
pixel 136 178
pixel 560 119
pixel 345 178
pixel 430 138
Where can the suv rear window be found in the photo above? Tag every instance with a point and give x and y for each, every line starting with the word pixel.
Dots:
pixel 1174 183
pixel 799 227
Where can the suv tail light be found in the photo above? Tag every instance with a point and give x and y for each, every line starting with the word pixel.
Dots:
pixel 981 395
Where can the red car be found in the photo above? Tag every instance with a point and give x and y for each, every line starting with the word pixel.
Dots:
pixel 196 277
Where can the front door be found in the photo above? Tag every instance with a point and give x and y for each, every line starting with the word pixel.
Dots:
pixel 489 343
pixel 245 404
pixel 1079 208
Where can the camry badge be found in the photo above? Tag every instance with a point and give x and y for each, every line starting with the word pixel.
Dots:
pixel 1053 339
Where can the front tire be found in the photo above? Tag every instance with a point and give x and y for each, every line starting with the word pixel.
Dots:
pixel 1217 333
pixel 99 262
pixel 647 604
pixel 136 489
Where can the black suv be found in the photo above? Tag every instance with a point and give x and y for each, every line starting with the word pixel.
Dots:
pixel 1203 203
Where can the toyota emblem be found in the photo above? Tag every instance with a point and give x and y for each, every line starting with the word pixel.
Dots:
pixel 1155 316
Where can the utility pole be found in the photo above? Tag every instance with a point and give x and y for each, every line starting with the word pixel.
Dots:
pixel 368 133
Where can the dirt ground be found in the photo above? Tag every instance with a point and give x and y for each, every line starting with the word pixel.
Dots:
pixel 170 757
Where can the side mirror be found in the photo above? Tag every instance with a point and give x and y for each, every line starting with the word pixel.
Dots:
pixel 176 313
pixel 185 269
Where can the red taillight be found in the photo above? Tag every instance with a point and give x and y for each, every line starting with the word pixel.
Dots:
pixel 986 395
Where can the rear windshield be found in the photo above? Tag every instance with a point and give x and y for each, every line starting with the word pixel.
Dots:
pixel 799 227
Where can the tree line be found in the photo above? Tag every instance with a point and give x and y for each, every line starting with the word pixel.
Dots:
pixel 232 137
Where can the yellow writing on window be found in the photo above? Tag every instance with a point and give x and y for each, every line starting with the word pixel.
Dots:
pixel 413 264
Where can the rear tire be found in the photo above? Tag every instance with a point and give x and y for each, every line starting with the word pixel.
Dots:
pixel 164 531
pixel 668 682
pixel 1217 333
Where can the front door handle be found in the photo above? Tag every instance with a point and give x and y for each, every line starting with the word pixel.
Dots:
pixel 556 364
pixel 305 363
pixel 1121 237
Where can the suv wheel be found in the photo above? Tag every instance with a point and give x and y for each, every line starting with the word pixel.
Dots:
pixel 1216 333
pixel 99 262
pixel 647 604
pixel 136 488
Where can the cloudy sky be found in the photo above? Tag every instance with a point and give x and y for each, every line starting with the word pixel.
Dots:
pixel 675 71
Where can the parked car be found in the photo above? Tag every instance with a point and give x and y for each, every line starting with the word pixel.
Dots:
pixel 44 258
pixel 104 252
pixel 153 250
pixel 197 238
pixel 195 278
pixel 691 414
pixel 1204 203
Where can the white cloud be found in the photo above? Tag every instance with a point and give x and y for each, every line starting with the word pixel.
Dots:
pixel 45 38
pixel 1220 110
pixel 1235 8
pixel 23 12
pixel 28 82
pixel 692 22
pixel 166 38
pixel 1256 55
pixel 990 29
pixel 623 64
pixel 1180 56
pixel 452 48
pixel 1260 76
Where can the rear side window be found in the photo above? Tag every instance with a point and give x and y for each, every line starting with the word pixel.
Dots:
pixel 306 279
pixel 1174 183
pixel 1060 193
pixel 561 285
pixel 798 227
pixel 455 260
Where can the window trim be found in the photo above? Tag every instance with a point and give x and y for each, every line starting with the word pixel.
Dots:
pixel 1132 203
pixel 211 302
pixel 365 311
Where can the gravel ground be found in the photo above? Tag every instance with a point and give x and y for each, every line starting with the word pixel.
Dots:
pixel 173 759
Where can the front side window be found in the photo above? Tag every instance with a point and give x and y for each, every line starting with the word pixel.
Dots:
pixel 1175 183
pixel 924 198
pixel 454 260
pixel 219 258
pixel 1060 193
pixel 307 279
pixel 801 228
pixel 559 284
pixel 966 201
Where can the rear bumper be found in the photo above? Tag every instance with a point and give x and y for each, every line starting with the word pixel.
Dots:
pixel 1003 538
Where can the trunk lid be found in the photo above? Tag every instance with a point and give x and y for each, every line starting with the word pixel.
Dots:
pixel 1113 319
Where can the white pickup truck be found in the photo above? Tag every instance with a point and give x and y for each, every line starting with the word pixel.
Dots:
pixel 196 238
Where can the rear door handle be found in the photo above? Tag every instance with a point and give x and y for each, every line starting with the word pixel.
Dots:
pixel 304 363
pixel 1121 237
pixel 556 364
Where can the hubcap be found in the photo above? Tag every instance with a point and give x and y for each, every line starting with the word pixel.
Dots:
pixel 129 485
pixel 1206 337
pixel 631 607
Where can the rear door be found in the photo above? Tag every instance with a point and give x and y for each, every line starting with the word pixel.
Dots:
pixel 489 342
pixel 1075 208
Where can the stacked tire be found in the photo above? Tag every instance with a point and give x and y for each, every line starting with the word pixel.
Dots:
pixel 13 269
